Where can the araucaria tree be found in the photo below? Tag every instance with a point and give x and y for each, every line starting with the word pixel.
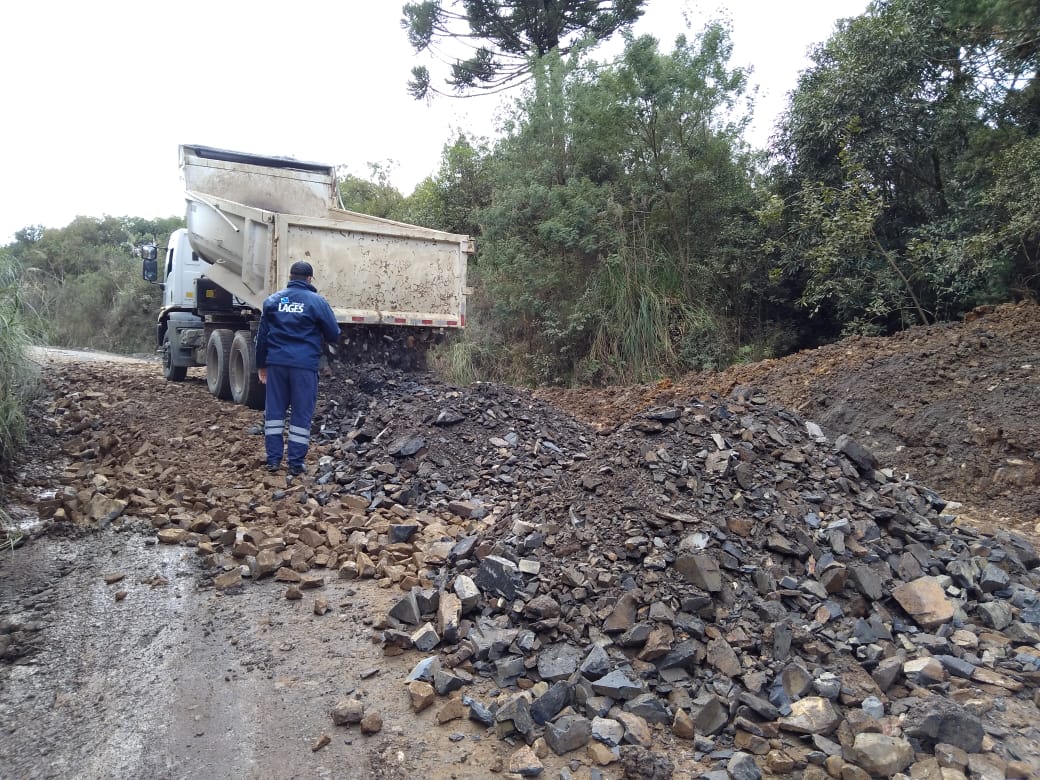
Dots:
pixel 504 37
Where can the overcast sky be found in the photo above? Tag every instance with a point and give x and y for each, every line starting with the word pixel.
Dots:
pixel 97 96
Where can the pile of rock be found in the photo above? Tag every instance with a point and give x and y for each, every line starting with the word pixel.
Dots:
pixel 719 570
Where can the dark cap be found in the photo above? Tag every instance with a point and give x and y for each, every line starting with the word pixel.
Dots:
pixel 301 268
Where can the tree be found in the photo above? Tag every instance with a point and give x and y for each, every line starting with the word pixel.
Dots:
pixel 618 243
pixel 450 198
pixel 81 285
pixel 894 136
pixel 1001 50
pixel 374 196
pixel 512 32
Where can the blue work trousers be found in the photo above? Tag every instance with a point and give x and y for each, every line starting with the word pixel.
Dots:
pixel 289 387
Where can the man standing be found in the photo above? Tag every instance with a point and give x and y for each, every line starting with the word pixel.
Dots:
pixel 293 323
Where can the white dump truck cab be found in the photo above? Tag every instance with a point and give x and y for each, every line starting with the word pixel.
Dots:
pixel 193 310
pixel 179 277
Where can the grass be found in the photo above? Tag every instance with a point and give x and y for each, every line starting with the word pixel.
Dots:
pixel 18 374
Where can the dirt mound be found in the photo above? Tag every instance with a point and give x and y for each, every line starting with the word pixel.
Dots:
pixel 953 405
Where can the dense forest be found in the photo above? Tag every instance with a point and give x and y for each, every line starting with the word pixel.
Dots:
pixel 626 230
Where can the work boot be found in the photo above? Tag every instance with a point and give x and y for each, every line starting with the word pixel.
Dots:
pixel 295 471
pixel 273 467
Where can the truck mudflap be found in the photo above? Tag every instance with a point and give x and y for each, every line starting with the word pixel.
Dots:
pixel 179 336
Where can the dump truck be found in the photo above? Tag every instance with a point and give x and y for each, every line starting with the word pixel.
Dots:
pixel 249 217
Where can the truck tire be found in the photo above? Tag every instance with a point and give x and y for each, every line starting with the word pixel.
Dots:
pixel 246 388
pixel 218 363
pixel 169 370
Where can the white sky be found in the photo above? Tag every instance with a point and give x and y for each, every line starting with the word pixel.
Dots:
pixel 97 96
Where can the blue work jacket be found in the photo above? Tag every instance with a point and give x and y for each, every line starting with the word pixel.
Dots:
pixel 293 323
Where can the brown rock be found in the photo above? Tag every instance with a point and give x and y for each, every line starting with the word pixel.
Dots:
pixel 853 772
pixel 702 570
pixel 228 579
pixel 750 743
pixel 267 561
pixel 243 549
pixel 372 723
pixel 924 600
pixel 104 509
pixel 321 742
pixel 637 730
pixel 811 715
pixel 622 616
pixel 285 574
pixel 602 755
pixel 924 671
pixel 778 762
pixel 348 712
pixel 449 613
pixel 723 657
pixel 172 535
pixel 311 538
pixel 658 643
pixel 421 694
pixel 682 725
pixel 525 763
pixel 452 710
pixel 881 755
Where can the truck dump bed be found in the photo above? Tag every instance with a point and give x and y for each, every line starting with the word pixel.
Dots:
pixel 252 217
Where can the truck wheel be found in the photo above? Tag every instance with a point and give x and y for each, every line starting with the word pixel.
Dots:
pixel 169 370
pixel 245 384
pixel 218 360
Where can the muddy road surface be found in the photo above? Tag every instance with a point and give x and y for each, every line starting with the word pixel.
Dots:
pixel 120 657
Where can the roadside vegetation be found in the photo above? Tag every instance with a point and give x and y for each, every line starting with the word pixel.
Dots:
pixel 17 371
pixel 625 229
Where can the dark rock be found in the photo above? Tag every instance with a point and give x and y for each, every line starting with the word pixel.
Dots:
pixel 548 705
pixel 940 720
pixel 514 716
pixel 568 733
pixel 864 459
pixel 742 766
pixel 558 662
pixel 407 610
pixel 649 708
pixel 596 664
pixel 617 685
pixel 712 717
pixel 495 575
pixel 406 446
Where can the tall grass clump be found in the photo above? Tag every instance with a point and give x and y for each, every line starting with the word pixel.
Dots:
pixel 18 373
pixel 652 321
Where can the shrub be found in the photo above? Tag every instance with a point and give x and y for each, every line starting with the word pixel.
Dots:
pixel 17 372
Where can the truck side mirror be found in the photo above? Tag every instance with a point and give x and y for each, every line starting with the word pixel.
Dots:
pixel 149 262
